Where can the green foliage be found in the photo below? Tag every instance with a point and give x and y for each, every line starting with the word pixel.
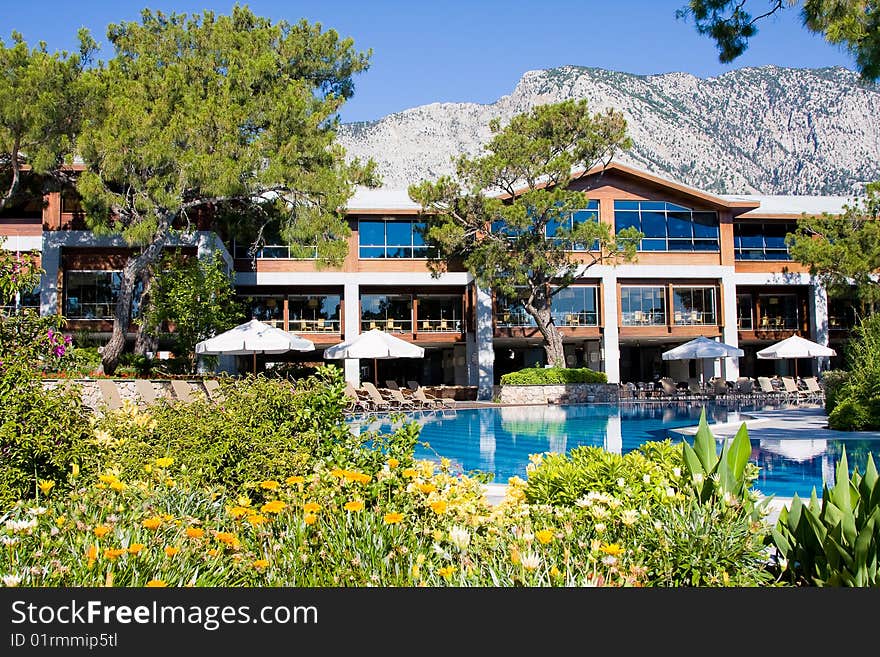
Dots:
pixel 263 429
pixel 726 476
pixel 198 297
pixel 843 251
pixel 502 240
pixel 43 434
pixel 850 414
pixel 834 543
pixel 856 406
pixel 833 382
pixel 19 272
pixel 851 24
pixel 539 376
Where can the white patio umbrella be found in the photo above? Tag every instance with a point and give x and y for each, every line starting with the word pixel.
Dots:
pixel 253 337
pixel 374 344
pixel 795 347
pixel 702 348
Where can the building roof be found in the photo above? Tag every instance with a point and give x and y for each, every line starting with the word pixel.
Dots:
pixel 381 200
pixel 792 205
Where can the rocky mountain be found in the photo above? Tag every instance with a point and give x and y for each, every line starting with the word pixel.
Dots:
pixel 766 130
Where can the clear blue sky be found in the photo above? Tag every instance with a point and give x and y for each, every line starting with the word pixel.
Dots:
pixel 459 50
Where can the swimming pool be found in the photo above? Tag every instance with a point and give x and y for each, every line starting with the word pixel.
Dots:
pixel 498 440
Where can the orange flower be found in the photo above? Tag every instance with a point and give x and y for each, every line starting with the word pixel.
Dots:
pixel 101 531
pixel 295 479
pixel 257 519
pixel 438 507
pixel 275 506
pixel 195 532
pixel 260 564
pixel 134 548
pixel 91 555
pixel 171 551
pixel 112 554
pixel 227 538
pixel 393 462
pixel 427 488
pixel 156 583
pixel 152 523
pixel 213 552
pixel 269 484
pixel 337 472
pixel 237 511
pixel 358 477
pixel 311 507
pixel 393 518
pixel 354 505
pixel 410 473
pixel 310 518
pixel 544 536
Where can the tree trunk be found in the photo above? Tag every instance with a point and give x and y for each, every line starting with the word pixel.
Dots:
pixel 552 338
pixel 146 339
pixel 134 267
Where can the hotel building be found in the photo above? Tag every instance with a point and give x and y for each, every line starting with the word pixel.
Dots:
pixel 713 265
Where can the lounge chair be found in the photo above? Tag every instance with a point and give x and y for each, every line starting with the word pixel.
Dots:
pixel 816 392
pixel 695 389
pixel 720 388
pixel 439 402
pixel 212 387
pixel 767 387
pixel 110 394
pixel 355 401
pixel 744 387
pixel 792 391
pixel 669 391
pixel 145 389
pixel 378 401
pixel 398 398
pixel 182 390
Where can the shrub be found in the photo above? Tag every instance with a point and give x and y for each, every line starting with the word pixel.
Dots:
pixel 837 542
pixel 850 414
pixel 833 382
pixel 541 376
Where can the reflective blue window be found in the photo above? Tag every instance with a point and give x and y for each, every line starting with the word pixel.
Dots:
pixel 667 226
pixel 391 238
pixel 572 220
pixel 761 240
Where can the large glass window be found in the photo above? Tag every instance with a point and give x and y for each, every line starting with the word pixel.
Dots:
pixel 668 227
pixel 21 302
pixel 576 305
pixel 93 294
pixel 439 314
pixel 643 306
pixel 779 312
pixel 693 305
pixel 510 313
pixel 267 308
pixel 391 238
pixel 588 213
pixel 314 313
pixel 745 312
pixel 761 241
pixel 386 312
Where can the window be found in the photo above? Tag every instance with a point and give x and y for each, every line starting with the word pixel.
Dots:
pixel 21 302
pixel 589 213
pixel 386 312
pixel 668 227
pixel 268 309
pixel 391 238
pixel 745 312
pixel 693 305
pixel 575 306
pixel 510 313
pixel 439 314
pixel 761 241
pixel 643 306
pixel 287 251
pixel 779 312
pixel 315 313
pixel 93 294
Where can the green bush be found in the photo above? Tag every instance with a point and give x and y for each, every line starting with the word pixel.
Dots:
pixel 833 381
pixel 850 414
pixel 540 376
pixel 263 429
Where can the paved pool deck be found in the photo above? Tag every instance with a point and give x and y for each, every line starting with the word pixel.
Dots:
pixel 806 421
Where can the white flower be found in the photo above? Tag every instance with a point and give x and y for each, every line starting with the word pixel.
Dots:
pixel 676 472
pixel 21 525
pixel 11 580
pixel 8 540
pixel 528 537
pixel 646 479
pixel 599 527
pixel 698 478
pixel 629 517
pixel 670 491
pixel 609 560
pixel 54 531
pixel 459 537
pixel 599 512
pixel 530 561
pixel 621 482
pixel 729 499
pixel 37 510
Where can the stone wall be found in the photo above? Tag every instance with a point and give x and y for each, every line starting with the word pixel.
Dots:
pixel 92 398
pixel 572 393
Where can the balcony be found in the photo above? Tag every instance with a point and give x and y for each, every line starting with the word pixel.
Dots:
pixel 644 318
pixel 439 326
pixel 315 325
pixel 390 325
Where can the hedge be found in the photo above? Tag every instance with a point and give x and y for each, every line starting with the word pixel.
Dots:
pixel 537 376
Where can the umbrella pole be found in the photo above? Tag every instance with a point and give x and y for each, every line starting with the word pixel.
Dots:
pixel 255 363
pixel 376 372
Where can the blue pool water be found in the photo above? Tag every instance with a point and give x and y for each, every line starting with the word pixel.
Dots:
pixel 499 440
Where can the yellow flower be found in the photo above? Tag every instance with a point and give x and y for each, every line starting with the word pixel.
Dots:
pixel 295 479
pixel 134 548
pixel 515 557
pixel 393 462
pixel 310 518
pixel 111 554
pixel 354 505
pixel 555 572
pixel 117 486
pixel 260 564
pixel 171 551
pixel 195 532
pixel 227 538
pixel 416 571
pixel 60 520
pixel 91 555
pixel 427 488
pixel 108 478
pixel 358 477
pixel 544 536
pixel 165 461
pixel 410 473
pixel 337 472
pixel 152 523
pixel 148 468
pixel 244 500
pixel 45 486
pixel 275 506
pixel 438 507
pixel 257 519
pixel 612 549
pixel 157 583
pixel 311 507
pixel 446 571
pixel 101 531
pixel 237 511
pixel 213 552
pixel 269 484
pixel 393 518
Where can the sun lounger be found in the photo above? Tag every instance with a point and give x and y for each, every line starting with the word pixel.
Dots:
pixel 212 387
pixel 401 401
pixel 182 390
pixel 355 401
pixel 669 390
pixel 792 392
pixel 144 388
pixel 376 398
pixel 813 388
pixel 110 394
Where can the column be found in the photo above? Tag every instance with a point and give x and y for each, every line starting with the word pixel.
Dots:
pixel 610 334
pixel 730 334
pixel 819 320
pixel 51 263
pixel 484 345
pixel 352 311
